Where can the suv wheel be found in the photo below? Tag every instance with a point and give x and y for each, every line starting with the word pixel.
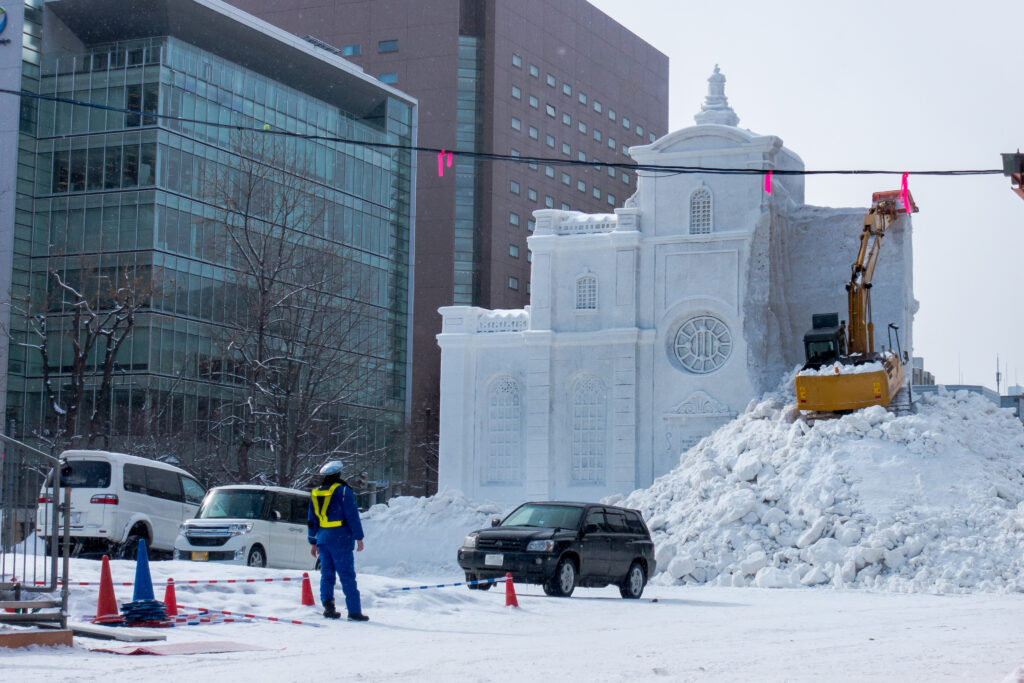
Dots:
pixel 564 581
pixel 257 557
pixel 632 587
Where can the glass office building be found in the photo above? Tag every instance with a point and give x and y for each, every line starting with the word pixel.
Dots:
pixel 115 191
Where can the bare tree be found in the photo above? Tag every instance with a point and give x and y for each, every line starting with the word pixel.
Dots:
pixel 309 347
pixel 94 317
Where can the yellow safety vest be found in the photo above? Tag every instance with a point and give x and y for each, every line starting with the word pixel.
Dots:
pixel 321 499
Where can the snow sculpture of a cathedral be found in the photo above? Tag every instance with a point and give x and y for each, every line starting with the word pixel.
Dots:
pixel 650 327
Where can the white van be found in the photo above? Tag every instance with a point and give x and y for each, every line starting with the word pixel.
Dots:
pixel 261 526
pixel 117 499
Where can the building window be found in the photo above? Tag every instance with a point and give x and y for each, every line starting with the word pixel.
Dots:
pixel 582 96
pixel 597 193
pixel 534 102
pixel 702 344
pixel 549 202
pixel 597 135
pixel 550 80
pixel 527 286
pixel 650 136
pixel 625 150
pixel 581 156
pixel 387 46
pixel 531 225
pixel 517 61
pixel 566 179
pixel 586 293
pixel 549 171
pixel 611 171
pixel 565 207
pixel 513 251
pixel 597 106
pixel 534 71
pixel 350 51
pixel 513 152
pixel 581 127
pixel 611 114
pixel 533 132
pixel 566 119
pixel 625 123
pixel 567 89
pixel 531 194
pixel 517 93
pixel 513 187
pixel 581 186
pixel 549 140
pixel 700 211
pixel 639 130
pixel 611 143
pixel 625 178
pixel 516 124
pixel 504 432
pixel 388 78
pixel 513 283
pixel 566 149
pixel 532 165
pixel 513 218
pixel 549 110
pixel 611 200
pixel 529 257
pixel 589 428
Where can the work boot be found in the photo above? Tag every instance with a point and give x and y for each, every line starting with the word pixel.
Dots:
pixel 358 617
pixel 329 610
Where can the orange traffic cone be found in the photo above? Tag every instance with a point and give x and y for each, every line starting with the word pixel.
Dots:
pixel 307 590
pixel 170 601
pixel 510 592
pixel 106 606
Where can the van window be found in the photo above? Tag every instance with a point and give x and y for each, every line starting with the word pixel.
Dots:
pixel 193 491
pixel 282 505
pixel 300 509
pixel 134 478
pixel 241 503
pixel 84 474
pixel 163 484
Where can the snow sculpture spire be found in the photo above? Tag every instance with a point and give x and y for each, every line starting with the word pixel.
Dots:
pixel 716 107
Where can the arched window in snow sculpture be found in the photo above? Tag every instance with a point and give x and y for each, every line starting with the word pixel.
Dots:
pixel 503 463
pixel 589 429
pixel 586 293
pixel 700 211
pixel 702 344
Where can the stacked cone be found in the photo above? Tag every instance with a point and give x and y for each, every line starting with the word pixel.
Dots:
pixel 144 609
pixel 170 601
pixel 106 606
pixel 510 592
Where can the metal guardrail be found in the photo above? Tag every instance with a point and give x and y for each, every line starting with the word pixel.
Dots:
pixel 28 568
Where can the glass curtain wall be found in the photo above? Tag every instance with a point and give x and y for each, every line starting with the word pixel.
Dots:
pixel 117 190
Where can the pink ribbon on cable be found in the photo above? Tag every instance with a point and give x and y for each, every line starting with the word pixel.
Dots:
pixel 905 193
pixel 768 183
pixel 440 162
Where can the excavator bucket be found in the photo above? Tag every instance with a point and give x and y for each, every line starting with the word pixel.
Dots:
pixel 889 202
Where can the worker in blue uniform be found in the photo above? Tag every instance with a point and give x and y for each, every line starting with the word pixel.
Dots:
pixel 334 530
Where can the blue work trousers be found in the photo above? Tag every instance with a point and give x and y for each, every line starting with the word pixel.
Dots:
pixel 338 559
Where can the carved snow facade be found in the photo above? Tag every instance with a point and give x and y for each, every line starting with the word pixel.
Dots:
pixel 651 327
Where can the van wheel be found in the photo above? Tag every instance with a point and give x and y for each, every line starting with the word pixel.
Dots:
pixel 129 550
pixel 257 557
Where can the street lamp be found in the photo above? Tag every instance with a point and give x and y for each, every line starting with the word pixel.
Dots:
pixel 1013 166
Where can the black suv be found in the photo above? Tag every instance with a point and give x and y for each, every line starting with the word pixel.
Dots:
pixel 561 546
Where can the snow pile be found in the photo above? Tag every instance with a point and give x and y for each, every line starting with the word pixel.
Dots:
pixel 838 368
pixel 413 535
pixel 929 502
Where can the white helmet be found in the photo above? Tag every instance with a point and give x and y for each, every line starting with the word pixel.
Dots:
pixel 333 467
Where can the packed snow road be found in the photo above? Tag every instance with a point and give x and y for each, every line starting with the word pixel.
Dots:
pixel 450 634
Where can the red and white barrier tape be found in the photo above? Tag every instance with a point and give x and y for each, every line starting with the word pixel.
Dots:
pixel 252 616
pixel 177 582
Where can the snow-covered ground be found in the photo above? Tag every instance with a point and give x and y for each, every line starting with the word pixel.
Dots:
pixel 868 548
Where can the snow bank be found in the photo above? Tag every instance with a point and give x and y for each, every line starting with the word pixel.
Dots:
pixel 930 502
pixel 843 369
pixel 408 536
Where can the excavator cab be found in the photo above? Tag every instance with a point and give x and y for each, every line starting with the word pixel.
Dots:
pixel 826 341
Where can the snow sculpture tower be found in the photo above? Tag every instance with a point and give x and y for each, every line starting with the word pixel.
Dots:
pixel 651 326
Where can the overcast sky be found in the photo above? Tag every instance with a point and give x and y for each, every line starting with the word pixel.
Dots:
pixel 899 86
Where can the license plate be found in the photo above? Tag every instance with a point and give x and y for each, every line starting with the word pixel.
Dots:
pixel 201 557
pixel 494 560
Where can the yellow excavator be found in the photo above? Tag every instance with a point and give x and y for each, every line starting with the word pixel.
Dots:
pixel 843 372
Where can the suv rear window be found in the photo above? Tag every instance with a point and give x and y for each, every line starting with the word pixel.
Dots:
pixel 84 474
pixel 635 522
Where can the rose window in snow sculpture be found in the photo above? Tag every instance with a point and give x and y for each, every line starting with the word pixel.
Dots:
pixel 702 344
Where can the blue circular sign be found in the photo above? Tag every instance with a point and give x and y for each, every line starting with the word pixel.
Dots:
pixel 3 19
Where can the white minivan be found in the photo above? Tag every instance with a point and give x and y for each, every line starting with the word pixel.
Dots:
pixel 118 499
pixel 260 526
